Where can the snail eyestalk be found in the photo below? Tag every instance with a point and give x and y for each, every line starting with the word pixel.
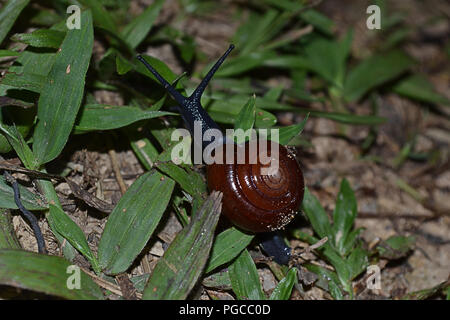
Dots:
pixel 197 94
pixel 30 217
pixel 190 107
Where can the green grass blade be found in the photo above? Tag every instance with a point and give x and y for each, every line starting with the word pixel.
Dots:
pixel 63 92
pixel 101 16
pixel 29 199
pixel 46 274
pixel 284 289
pixel 144 149
pixel 245 279
pixel 189 180
pixel 418 87
pixel 227 246
pixel 330 278
pixel 72 232
pixel 133 221
pixel 182 264
pixel 344 215
pixel 139 27
pixel 48 190
pixel 105 117
pixel 27 81
pixel 375 71
pixel 8 238
pixel 9 53
pixel 16 140
pixel 246 117
pixel 288 133
pixel 43 38
pixel 8 15
pixel 357 262
pixel 316 215
pixel 327 58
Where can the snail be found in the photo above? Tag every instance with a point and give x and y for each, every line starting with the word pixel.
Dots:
pixel 255 202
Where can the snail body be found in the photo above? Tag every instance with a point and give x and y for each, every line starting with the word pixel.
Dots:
pixel 253 201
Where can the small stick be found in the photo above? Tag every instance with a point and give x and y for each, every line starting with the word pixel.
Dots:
pixel 30 217
pixel 116 169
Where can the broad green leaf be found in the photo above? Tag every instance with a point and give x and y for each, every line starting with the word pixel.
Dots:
pixel 336 116
pixel 344 215
pixel 63 92
pixel 418 87
pixel 351 240
pixel 105 117
pixel 287 62
pixel 133 220
pixel 32 62
pixel 72 232
pixel 318 20
pixel 260 31
pixel 101 16
pixel 159 66
pixel 28 81
pixel 9 53
pixel 274 94
pixel 341 266
pixel 142 147
pixel 29 199
pixel 443 287
pixel 245 279
pixel 48 190
pixel 227 246
pixel 46 274
pixel 330 278
pixel 140 281
pixel 288 133
pixel 42 38
pixel 316 215
pixel 310 16
pixel 243 63
pixel 246 118
pixel 189 180
pixel 122 65
pixel 8 15
pixel 327 58
pixel 357 262
pixel 16 140
pixel 396 247
pixel 139 27
pixel 284 288
pixel 219 280
pixel 227 111
pixel 8 238
pixel 375 71
pixel 182 264
pixel 263 119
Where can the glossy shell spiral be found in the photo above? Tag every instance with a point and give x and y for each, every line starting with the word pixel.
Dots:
pixel 259 202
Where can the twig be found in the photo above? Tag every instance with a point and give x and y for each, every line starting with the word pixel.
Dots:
pixel 30 217
pixel 116 168
pixel 107 285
